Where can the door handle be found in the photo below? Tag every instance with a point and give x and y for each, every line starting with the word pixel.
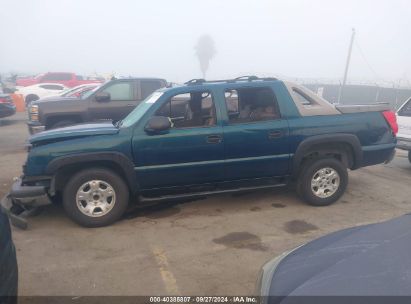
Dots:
pixel 274 134
pixel 214 139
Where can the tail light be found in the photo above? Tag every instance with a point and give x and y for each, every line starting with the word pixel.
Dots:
pixel 392 120
pixel 6 99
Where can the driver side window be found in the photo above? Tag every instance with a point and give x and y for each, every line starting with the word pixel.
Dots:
pixel 120 91
pixel 190 110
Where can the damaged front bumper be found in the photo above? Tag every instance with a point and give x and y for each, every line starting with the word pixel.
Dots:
pixel 23 201
pixel 35 127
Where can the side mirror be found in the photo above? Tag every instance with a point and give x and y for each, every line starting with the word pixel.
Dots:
pixel 158 124
pixel 103 96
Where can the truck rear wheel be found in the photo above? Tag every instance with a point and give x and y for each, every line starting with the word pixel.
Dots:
pixel 322 181
pixel 95 197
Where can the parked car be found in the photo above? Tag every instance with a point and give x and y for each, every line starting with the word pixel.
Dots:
pixel 67 79
pixel 27 80
pixel 7 84
pixel 98 78
pixel 358 263
pixel 7 106
pixel 181 142
pixel 8 263
pixel 38 91
pixel 111 101
pixel 404 127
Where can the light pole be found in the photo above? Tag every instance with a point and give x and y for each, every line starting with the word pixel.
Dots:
pixel 347 64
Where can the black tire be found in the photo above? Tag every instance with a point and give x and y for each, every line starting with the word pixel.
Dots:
pixel 61 124
pixel 307 174
pixel 31 98
pixel 118 185
pixel 409 156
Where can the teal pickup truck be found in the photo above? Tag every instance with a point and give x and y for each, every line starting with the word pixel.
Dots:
pixel 203 138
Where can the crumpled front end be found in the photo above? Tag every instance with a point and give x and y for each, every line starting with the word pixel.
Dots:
pixel 23 200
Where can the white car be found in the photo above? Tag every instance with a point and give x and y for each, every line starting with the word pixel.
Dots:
pixel 404 127
pixel 40 90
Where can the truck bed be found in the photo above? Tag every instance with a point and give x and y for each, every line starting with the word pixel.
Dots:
pixel 377 107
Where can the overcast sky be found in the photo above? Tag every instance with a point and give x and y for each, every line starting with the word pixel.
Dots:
pixel 301 39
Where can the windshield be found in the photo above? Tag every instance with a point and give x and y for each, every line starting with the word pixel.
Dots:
pixel 89 93
pixel 68 91
pixel 142 108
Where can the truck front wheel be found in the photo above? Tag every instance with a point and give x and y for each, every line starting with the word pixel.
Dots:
pixel 322 181
pixel 95 197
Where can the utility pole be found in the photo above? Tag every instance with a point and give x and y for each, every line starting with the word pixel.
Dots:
pixel 347 64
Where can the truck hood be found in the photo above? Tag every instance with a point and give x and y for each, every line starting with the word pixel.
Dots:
pixel 77 131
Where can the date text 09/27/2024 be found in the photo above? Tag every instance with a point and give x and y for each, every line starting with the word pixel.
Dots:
pixel 203 299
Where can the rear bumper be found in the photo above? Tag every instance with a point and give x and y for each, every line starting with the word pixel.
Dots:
pixel 377 154
pixel 404 143
pixel 390 157
pixel 23 201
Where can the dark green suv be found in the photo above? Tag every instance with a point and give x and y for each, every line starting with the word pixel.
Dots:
pixel 204 138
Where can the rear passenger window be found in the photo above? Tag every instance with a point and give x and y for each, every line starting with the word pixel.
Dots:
pixel 190 110
pixel 231 98
pixel 406 109
pixel 148 87
pixel 251 105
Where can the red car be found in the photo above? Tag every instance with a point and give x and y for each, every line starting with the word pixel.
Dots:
pixel 68 79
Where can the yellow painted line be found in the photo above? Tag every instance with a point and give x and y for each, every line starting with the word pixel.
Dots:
pixel 167 276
